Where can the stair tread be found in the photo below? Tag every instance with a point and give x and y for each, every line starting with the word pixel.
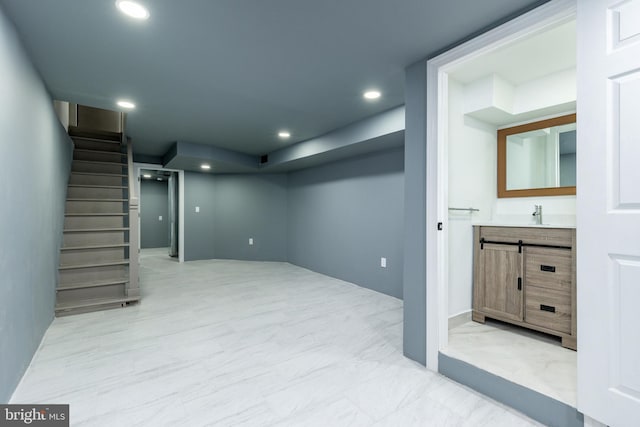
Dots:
pixel 97 186
pixel 96 214
pixel 98 174
pixel 94 302
pixel 91 247
pixel 99 162
pixel 88 150
pixel 91 265
pixel 94 284
pixel 82 230
pixel 82 199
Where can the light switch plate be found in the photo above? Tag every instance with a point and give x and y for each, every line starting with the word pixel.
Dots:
pixel 160 218
pixel 383 262
pixel 197 208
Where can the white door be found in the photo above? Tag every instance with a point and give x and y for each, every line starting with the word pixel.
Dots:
pixel 608 222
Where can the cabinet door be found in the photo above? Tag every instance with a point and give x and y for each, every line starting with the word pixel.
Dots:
pixel 500 281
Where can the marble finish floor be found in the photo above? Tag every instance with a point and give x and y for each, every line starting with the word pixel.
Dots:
pixel 229 343
pixel 532 359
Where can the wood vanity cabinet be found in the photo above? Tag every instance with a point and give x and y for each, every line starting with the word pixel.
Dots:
pixel 526 276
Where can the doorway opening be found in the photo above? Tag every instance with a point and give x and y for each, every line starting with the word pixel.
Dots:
pixel 161 216
pixel 522 72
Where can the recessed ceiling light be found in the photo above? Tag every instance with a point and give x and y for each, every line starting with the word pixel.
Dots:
pixel 132 9
pixel 146 175
pixel 126 104
pixel 159 179
pixel 371 94
pixel 205 166
pixel 284 134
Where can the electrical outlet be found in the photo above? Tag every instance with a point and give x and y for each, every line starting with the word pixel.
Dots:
pixel 250 240
pixel 383 262
pixel 160 218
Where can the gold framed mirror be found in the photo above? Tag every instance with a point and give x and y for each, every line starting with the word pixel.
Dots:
pixel 538 159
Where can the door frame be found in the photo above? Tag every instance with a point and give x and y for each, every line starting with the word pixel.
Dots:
pixel 137 167
pixel 437 263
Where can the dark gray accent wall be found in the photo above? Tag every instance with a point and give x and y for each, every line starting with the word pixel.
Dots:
pixel 542 408
pixel 415 205
pixel 154 202
pixel 233 209
pixel 37 159
pixel 345 216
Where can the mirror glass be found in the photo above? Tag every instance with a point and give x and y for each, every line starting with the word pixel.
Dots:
pixel 538 159
pixel 542 158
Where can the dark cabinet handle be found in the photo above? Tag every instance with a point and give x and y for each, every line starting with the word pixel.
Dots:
pixel 549 308
pixel 519 283
pixel 549 268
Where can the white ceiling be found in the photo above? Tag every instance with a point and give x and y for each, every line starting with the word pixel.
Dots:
pixel 536 56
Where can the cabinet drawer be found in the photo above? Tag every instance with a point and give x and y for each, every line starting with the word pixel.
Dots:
pixel 530 235
pixel 548 308
pixel 548 268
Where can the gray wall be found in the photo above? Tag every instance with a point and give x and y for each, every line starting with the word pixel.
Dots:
pixel 34 175
pixel 338 219
pixel 154 202
pixel 345 216
pixel 415 212
pixel 234 208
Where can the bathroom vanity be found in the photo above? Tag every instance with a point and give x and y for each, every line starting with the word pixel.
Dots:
pixel 526 275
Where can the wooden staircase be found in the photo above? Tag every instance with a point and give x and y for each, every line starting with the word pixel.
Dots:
pixel 94 272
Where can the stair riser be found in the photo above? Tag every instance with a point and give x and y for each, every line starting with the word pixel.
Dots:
pixel 96 193
pixel 98 156
pixel 99 167
pixel 78 206
pixel 74 295
pixel 84 222
pixel 88 131
pixel 87 144
pixel 92 274
pixel 97 180
pixel 91 256
pixel 93 238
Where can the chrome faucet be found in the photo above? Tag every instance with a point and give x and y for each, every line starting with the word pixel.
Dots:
pixel 538 214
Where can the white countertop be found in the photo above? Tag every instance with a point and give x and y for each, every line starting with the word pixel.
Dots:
pixel 506 224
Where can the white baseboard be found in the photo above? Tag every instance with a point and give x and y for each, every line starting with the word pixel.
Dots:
pixel 459 319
